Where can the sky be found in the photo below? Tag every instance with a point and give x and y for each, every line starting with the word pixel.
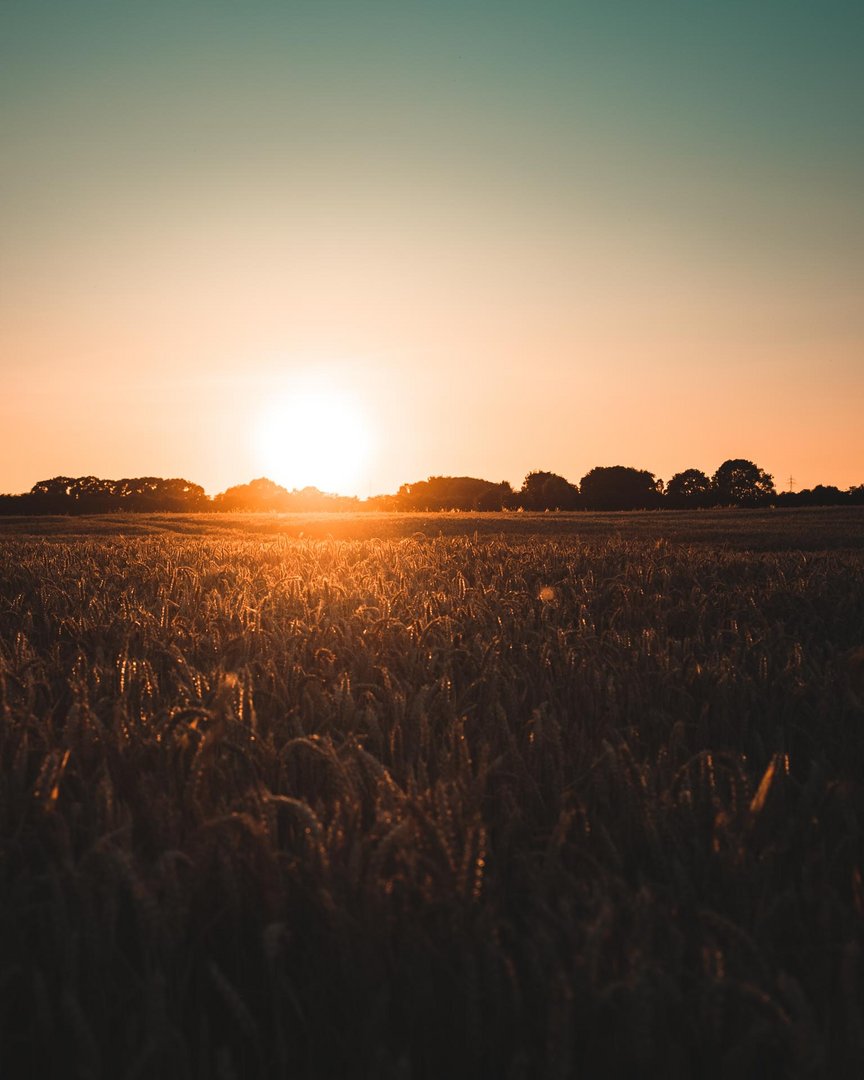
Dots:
pixel 439 238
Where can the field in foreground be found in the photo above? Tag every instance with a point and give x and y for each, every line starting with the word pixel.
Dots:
pixel 523 802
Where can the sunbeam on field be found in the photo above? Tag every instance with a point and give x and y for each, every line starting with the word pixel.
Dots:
pixel 313 434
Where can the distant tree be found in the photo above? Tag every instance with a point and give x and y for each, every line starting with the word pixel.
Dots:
pixel 265 495
pixel 379 502
pixel 548 491
pixel 496 497
pixel 619 487
pixel 739 482
pixel 90 486
pixel 182 492
pixel 91 494
pixel 57 485
pixel 689 488
pixel 156 493
pixel 454 493
pixel 310 499
pixel 74 494
pixel 260 494
pixel 826 495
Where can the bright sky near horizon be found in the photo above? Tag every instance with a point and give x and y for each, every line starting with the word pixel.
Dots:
pixel 494 236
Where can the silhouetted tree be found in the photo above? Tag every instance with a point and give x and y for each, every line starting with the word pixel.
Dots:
pixel 823 495
pixel 619 487
pixel 379 502
pixel 689 488
pixel 739 482
pixel 93 495
pixel 266 495
pixel 260 494
pixel 820 495
pixel 310 499
pixel 548 491
pixel 57 485
pixel 454 493
pixel 183 491
pixel 496 497
pixel 90 486
pixel 156 493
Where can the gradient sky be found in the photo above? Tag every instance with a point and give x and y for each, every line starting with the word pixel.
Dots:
pixel 518 235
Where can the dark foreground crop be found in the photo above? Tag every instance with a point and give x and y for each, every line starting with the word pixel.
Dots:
pixel 429 807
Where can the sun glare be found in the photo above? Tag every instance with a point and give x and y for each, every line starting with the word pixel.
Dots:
pixel 313 437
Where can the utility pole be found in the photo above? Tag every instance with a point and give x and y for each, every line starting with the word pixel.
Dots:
pixel 791 482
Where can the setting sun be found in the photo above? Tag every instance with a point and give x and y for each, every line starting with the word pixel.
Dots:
pixel 313 436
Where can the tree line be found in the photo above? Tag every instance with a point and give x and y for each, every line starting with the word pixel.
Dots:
pixel 153 494
pixel 737 482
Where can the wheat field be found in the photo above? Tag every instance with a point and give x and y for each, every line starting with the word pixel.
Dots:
pixel 438 797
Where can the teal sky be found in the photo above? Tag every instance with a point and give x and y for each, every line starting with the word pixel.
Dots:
pixel 546 235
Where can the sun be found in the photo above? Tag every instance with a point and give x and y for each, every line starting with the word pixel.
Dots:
pixel 313 436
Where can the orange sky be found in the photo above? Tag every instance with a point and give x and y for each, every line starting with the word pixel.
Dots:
pixel 502 265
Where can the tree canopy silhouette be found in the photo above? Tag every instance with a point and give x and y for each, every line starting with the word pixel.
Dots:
pixel 739 482
pixel 690 488
pixel 266 495
pixel 93 495
pixel 260 494
pixel 454 493
pixel 620 487
pixel 548 491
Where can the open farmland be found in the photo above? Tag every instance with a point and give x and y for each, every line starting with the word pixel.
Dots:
pixel 429 796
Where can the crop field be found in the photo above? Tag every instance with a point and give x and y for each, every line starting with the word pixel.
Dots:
pixel 420 797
